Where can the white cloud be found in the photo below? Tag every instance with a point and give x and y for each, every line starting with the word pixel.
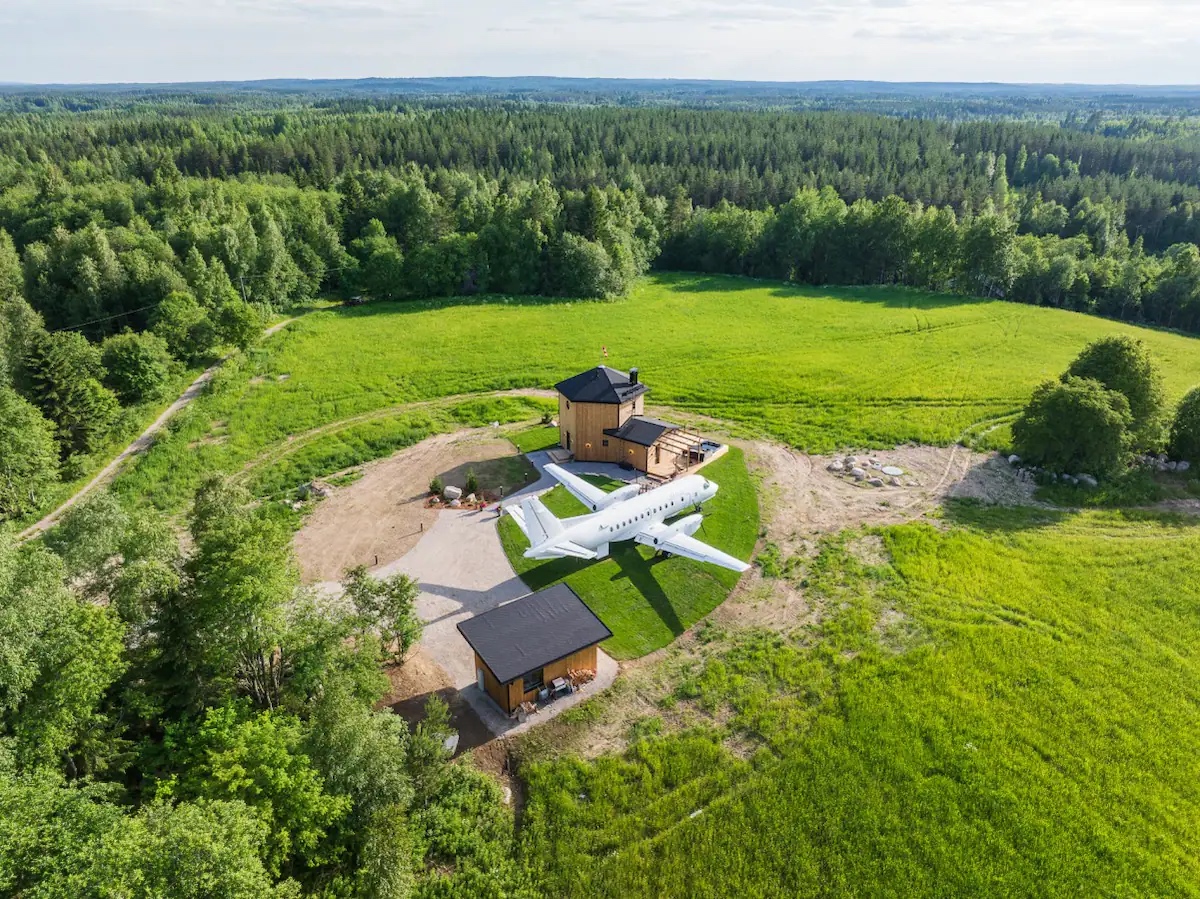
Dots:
pixel 1143 41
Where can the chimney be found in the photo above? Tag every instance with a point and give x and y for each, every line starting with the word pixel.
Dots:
pixel 633 376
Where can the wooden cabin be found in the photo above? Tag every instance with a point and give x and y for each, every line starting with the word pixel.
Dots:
pixel 522 646
pixel 601 419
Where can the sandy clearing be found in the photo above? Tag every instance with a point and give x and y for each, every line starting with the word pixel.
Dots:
pixel 801 500
pixel 382 516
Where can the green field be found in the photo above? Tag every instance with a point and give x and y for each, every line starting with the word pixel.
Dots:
pixel 648 602
pixel 1009 708
pixel 817 368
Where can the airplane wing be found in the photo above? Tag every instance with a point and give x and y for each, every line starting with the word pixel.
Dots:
pixel 588 494
pixel 691 548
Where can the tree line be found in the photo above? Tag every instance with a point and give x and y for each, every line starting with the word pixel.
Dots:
pixel 135 245
pixel 752 158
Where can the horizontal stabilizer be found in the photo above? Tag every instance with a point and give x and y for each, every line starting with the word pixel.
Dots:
pixel 566 549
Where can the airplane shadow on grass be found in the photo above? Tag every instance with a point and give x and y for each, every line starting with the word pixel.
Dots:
pixel 631 565
pixel 641 575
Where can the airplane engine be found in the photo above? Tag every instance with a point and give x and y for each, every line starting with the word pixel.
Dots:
pixel 687 526
pixel 629 491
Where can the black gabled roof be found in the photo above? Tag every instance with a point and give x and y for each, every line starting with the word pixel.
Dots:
pixel 600 385
pixel 641 430
pixel 531 632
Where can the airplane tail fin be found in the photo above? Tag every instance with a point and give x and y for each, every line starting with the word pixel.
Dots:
pixel 539 522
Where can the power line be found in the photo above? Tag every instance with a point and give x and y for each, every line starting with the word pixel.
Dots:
pixel 242 279
pixel 107 318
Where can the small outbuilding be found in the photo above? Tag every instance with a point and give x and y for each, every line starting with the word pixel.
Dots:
pixel 601 419
pixel 524 646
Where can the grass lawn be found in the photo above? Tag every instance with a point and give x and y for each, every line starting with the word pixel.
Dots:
pixel 648 602
pixel 819 368
pixel 543 437
pixel 1010 708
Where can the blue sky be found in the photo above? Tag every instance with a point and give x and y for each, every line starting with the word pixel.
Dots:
pixel 1133 41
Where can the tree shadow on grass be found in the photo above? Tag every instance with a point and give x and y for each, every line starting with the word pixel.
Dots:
pixel 982 516
pixel 880 295
pixel 408 307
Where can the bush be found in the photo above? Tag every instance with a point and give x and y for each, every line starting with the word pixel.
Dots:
pixel 137 366
pixel 436 486
pixel 472 484
pixel 1075 425
pixel 1185 429
pixel 184 324
pixel 1124 365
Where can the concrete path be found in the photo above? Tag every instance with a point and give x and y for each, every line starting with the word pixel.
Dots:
pixel 463 571
pixel 143 442
pixel 541 459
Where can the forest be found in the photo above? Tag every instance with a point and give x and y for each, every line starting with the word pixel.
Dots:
pixel 177 716
pixel 141 238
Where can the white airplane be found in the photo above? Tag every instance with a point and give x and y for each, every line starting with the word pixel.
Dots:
pixel 624 514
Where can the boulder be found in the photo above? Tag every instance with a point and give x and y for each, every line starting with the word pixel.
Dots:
pixel 1183 466
pixel 1172 466
pixel 455 503
pixel 471 498
pixel 1160 465
pixel 850 461
pixel 859 474
pixel 876 482
pixel 876 464
pixel 1087 480
pixel 894 470
pixel 1014 459
pixel 316 489
pixel 451 492
pixel 836 466
pixel 895 482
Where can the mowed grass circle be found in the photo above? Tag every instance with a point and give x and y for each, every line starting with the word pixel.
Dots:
pixel 646 601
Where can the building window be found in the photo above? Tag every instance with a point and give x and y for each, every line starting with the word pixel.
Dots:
pixel 604 443
pixel 534 680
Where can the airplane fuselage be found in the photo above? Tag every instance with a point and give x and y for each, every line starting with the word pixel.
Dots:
pixel 623 521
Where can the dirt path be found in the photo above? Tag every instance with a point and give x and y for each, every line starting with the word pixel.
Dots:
pixel 296 442
pixel 142 443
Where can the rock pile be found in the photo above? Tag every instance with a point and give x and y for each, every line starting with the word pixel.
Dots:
pixel 1030 473
pixel 1162 463
pixel 863 469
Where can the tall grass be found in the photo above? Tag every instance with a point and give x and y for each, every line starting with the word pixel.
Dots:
pixel 1008 709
